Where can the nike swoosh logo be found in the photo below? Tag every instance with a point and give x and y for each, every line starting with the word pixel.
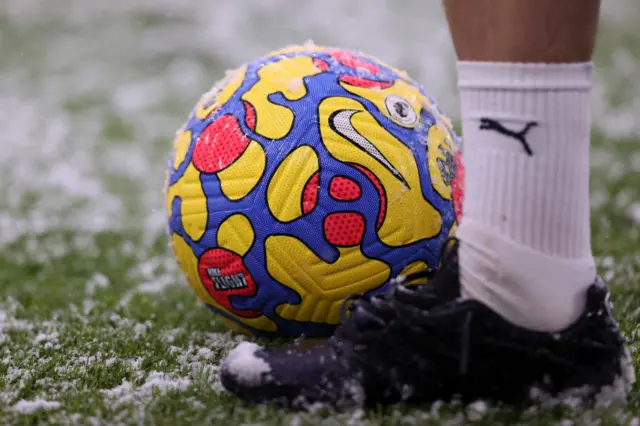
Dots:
pixel 340 122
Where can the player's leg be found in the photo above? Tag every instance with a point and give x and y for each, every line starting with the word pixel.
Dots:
pixel 516 302
pixel 524 74
pixel 542 31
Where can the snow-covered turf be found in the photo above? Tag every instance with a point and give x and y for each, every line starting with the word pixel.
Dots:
pixel 96 324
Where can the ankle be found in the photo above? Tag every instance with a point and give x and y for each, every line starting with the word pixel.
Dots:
pixel 525 286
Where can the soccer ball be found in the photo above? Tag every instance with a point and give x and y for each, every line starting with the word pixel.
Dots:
pixel 304 177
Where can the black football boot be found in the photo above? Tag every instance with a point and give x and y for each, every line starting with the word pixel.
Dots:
pixel 422 342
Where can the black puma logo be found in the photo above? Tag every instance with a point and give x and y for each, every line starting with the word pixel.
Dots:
pixel 490 124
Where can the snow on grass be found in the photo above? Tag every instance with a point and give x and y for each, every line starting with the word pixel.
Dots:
pixel 46 359
pixel 156 383
pixel 97 281
pixel 97 325
pixel 30 407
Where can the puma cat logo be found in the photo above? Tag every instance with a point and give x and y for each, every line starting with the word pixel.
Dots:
pixel 490 124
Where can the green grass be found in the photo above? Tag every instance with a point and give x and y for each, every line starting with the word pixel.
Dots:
pixel 95 317
pixel 92 320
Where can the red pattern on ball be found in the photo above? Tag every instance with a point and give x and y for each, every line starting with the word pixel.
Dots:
pixel 344 189
pixel 364 82
pixel 310 193
pixel 322 65
pixel 383 197
pixel 229 266
pixel 250 115
pixel 457 187
pixel 344 229
pixel 219 145
pixel 348 59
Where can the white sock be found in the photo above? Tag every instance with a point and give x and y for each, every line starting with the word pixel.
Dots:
pixel 526 249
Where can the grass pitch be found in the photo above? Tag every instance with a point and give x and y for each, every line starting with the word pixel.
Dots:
pixel 97 327
pixel 96 323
